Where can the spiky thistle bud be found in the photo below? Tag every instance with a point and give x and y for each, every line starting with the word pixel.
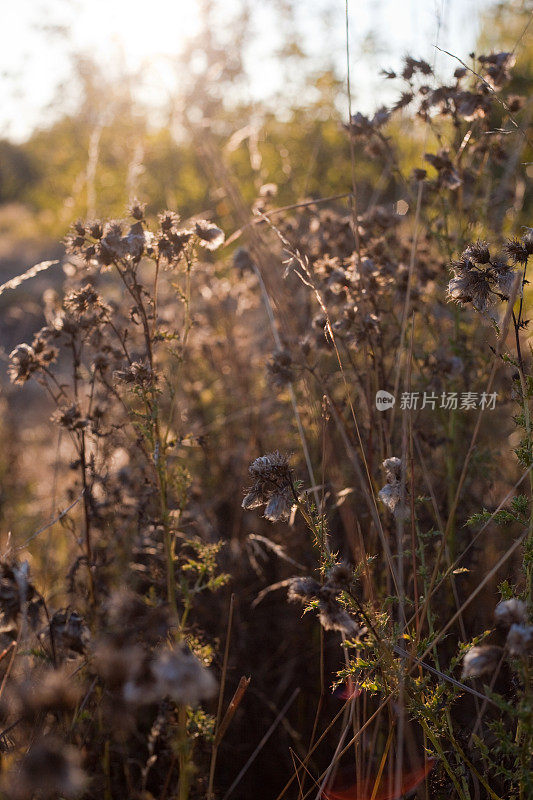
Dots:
pixel 340 576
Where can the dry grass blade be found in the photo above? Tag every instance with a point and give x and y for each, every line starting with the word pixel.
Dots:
pixel 272 588
pixel 262 743
pixel 214 750
pixel 26 276
pixel 277 549
pixel 490 574
pixel 283 210
pixel 48 525
pixel 232 708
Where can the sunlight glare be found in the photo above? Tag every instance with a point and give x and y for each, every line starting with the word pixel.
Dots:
pixel 140 31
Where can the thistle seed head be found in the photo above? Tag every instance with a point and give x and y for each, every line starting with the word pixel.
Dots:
pixel 303 590
pixel 69 631
pixel 211 236
pixel 23 363
pixel 49 769
pixel 478 252
pixel 509 612
pixel 393 468
pixel 334 618
pixel 340 576
pixel 272 486
pixel 181 676
pixel 481 660
pixel 520 640
pixel 278 507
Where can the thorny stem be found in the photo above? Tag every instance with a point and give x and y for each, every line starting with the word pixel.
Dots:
pixel 82 453
pixel 320 535
pixel 277 340
pixel 158 444
pixel 525 730
pixel 522 730
pixel 440 752
pixel 214 749
pixel 154 297
pixel 87 514
pixel 160 460
pixel 528 545
pixel 184 754
pixel 451 460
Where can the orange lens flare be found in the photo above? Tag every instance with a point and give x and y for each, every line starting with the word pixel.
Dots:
pixel 348 690
pixel 364 790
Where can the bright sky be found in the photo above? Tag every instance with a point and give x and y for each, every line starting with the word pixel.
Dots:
pixel 35 60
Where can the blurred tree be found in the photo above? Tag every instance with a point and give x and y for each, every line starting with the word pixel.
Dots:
pixel 18 171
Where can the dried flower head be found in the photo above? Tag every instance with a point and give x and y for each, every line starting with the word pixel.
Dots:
pixel 48 691
pixel 137 210
pixel 112 246
pixel 448 175
pixel 497 68
pixel 509 612
pixel 49 769
pixel 517 251
pixel 333 617
pixel 280 368
pixel 116 662
pixel 96 229
pixel 272 486
pixel 85 308
pixel 69 631
pixel 481 660
pixel 168 220
pixel 17 593
pixel 210 235
pixel 242 260
pixel 137 373
pixel 303 590
pixel 340 576
pixel 70 417
pixel 478 252
pixel 391 494
pixel 471 286
pixel 481 279
pixel 181 676
pixel 393 468
pixel 520 640
pixel 23 363
pixel 412 66
pixel 361 125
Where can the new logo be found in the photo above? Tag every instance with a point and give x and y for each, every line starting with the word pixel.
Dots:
pixel 384 400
